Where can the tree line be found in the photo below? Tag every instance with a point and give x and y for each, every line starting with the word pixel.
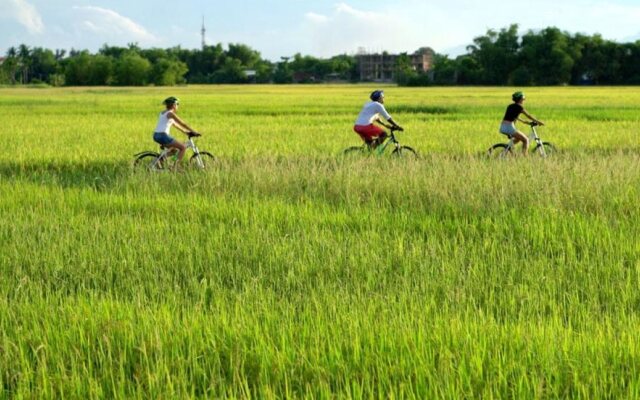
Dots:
pixel 546 57
pixel 134 66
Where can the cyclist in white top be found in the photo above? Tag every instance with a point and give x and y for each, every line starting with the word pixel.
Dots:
pixel 168 118
pixel 374 135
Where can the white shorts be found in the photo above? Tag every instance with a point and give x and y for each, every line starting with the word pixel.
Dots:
pixel 508 128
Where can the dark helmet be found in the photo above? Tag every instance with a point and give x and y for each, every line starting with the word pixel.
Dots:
pixel 376 95
pixel 169 101
pixel 517 96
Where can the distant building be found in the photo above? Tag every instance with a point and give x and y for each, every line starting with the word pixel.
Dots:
pixel 381 67
pixel 251 75
pixel 2 60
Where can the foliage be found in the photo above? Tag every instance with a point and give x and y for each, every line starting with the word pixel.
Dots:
pixel 546 57
pixel 504 57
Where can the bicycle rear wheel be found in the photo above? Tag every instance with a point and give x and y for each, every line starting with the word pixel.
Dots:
pixel 355 151
pixel 405 152
pixel 148 161
pixel 545 149
pixel 499 150
pixel 202 160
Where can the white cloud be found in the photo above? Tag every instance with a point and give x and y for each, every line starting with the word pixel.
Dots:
pixel 23 12
pixel 346 29
pixel 402 27
pixel 316 18
pixel 110 25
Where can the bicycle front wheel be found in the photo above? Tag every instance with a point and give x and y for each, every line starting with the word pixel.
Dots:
pixel 202 160
pixel 405 152
pixel 148 161
pixel 545 149
pixel 499 150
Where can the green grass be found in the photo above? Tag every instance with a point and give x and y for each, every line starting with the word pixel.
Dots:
pixel 287 271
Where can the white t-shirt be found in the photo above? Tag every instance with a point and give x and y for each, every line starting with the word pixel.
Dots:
pixel 164 123
pixel 370 113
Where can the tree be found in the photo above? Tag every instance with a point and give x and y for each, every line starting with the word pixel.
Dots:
pixel 548 56
pixel 243 53
pixel 77 71
pixel 201 64
pixel 43 64
pixel 283 72
pixel 345 67
pixel 165 72
pixel 230 72
pixel 469 70
pixel 496 54
pixel 629 70
pixel 445 70
pixel 102 70
pixel 132 70
pixel 10 65
pixel 24 63
pixel 404 72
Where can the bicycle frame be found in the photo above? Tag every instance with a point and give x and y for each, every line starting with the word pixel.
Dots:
pixel 379 150
pixel 166 150
pixel 533 136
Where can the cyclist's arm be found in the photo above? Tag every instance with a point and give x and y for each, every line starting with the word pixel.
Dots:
pixel 379 122
pixel 180 123
pixel 531 117
pixel 393 124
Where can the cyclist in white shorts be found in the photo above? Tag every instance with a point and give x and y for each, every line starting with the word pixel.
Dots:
pixel 508 126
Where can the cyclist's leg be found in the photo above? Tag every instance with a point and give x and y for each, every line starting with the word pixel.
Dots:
pixel 381 138
pixel 369 133
pixel 177 146
pixel 165 141
pixel 521 137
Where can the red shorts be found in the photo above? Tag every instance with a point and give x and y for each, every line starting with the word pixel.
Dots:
pixel 368 132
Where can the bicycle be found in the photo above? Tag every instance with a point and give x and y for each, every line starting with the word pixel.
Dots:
pixel 154 161
pixel 544 149
pixel 391 140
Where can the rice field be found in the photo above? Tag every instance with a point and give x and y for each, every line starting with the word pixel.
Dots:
pixel 287 271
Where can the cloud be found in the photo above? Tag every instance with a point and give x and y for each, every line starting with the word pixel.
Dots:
pixel 402 27
pixel 110 25
pixel 316 18
pixel 25 13
pixel 346 29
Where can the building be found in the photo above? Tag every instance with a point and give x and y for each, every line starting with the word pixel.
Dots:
pixel 380 67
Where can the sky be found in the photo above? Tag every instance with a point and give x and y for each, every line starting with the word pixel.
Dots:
pixel 278 28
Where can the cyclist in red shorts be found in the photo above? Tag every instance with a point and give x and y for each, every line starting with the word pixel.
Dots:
pixel 374 135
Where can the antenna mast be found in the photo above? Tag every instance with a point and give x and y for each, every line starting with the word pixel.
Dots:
pixel 203 31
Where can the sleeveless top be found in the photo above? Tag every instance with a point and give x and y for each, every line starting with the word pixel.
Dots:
pixel 164 123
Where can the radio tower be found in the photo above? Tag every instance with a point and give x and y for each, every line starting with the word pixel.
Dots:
pixel 203 31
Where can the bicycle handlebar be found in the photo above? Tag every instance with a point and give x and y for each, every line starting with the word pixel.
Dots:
pixel 193 134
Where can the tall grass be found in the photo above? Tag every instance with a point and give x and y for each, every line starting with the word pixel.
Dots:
pixel 287 271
